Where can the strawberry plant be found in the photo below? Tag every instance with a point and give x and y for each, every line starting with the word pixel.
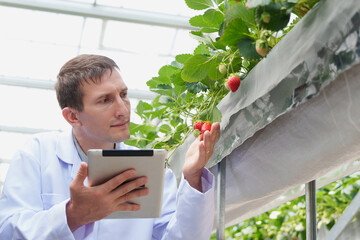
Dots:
pixel 233 37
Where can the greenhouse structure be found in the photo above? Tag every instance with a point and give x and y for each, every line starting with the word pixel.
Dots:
pixel 293 128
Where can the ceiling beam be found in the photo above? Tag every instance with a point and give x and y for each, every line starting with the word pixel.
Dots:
pixel 24 130
pixel 102 12
pixel 49 85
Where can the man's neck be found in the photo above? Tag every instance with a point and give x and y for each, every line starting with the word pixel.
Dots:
pixel 87 144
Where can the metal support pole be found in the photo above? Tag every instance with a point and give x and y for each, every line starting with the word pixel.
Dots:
pixel 221 180
pixel 310 196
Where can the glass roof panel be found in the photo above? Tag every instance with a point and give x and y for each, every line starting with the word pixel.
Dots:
pixel 40 26
pixel 33 59
pixel 139 38
pixel 91 34
pixel 136 69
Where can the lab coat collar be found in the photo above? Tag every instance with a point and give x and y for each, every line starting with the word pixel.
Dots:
pixel 65 148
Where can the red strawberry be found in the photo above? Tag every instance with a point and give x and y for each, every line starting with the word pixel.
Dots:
pixel 233 83
pixel 198 125
pixel 206 127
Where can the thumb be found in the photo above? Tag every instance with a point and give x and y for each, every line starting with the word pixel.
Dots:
pixel 81 174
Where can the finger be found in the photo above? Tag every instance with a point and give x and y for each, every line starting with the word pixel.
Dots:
pixel 128 207
pixel 202 150
pixel 215 131
pixel 81 174
pixel 118 180
pixel 200 138
pixel 208 145
pixel 132 195
pixel 130 186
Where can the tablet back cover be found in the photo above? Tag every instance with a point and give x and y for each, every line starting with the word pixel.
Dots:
pixel 105 164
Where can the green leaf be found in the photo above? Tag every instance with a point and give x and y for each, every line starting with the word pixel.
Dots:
pixel 177 80
pixel 196 87
pixel 181 58
pixel 196 68
pixel 166 100
pixel 211 114
pixel 209 30
pixel 201 37
pixel 199 4
pixel 240 11
pixel 142 106
pixel 202 49
pixel 133 128
pixel 179 84
pixel 177 64
pixel 208 83
pixel 218 45
pixel 210 20
pixel 278 17
pixel 163 89
pixel 165 128
pixel 189 97
pixel 158 111
pixel 247 49
pixel 175 121
pixel 131 141
pixel 214 73
pixel 155 81
pixel 167 71
pixel 234 31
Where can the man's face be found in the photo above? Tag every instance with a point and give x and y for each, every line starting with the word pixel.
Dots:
pixel 106 114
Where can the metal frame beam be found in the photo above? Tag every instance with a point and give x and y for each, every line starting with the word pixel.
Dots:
pixel 345 219
pixel 310 196
pixel 24 130
pixel 49 85
pixel 221 185
pixel 102 12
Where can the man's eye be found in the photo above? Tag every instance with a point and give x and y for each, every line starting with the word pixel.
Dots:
pixel 104 100
pixel 123 95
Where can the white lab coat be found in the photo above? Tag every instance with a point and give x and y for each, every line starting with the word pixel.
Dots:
pixel 36 191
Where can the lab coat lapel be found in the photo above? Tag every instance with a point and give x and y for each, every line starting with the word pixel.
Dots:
pixel 66 152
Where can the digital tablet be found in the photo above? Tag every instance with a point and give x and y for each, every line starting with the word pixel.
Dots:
pixel 105 164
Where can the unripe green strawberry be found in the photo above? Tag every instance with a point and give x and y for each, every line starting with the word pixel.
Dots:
pixel 265 17
pixel 262 47
pixel 222 68
pixel 196 133
pixel 233 83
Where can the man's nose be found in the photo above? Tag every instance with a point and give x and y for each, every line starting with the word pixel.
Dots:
pixel 121 107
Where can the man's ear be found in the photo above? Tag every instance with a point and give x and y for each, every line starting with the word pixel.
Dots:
pixel 71 115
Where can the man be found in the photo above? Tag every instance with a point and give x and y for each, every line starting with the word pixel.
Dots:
pixel 46 196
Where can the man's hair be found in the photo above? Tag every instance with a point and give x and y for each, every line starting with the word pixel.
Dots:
pixel 75 73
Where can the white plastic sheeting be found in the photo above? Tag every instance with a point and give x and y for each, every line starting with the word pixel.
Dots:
pixel 320 140
pixel 296 116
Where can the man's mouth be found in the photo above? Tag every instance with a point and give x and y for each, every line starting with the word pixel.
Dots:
pixel 120 124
